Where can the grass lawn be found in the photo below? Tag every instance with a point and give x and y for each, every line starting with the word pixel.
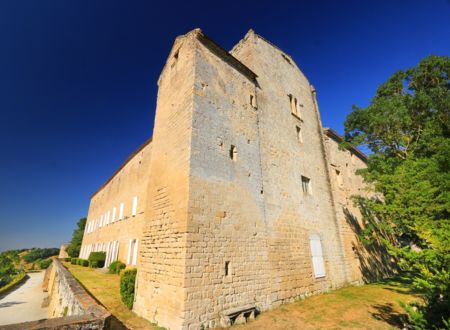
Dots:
pixel 372 306
pixel 106 289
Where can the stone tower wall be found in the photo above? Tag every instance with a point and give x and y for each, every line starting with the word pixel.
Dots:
pixel 291 215
pixel 160 284
pixel 226 250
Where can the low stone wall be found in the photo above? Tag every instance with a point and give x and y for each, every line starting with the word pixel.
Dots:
pixel 69 305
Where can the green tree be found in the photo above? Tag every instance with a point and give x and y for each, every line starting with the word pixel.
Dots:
pixel 77 237
pixel 7 269
pixel 406 126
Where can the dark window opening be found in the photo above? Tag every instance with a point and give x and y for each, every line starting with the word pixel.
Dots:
pixel 233 153
pixel 227 268
pixel 306 185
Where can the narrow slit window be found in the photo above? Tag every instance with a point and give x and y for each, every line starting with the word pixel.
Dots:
pixel 306 185
pixel 339 178
pixel 253 101
pixel 299 134
pixel 227 268
pixel 233 153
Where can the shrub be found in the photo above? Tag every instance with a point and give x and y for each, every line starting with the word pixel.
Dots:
pixel 67 259
pixel 97 259
pixel 73 261
pixel 116 266
pixel 84 262
pixel 43 264
pixel 127 281
pixel 36 254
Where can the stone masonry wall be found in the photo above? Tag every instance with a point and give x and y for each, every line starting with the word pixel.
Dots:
pixel 362 263
pixel 291 214
pixel 160 284
pixel 227 245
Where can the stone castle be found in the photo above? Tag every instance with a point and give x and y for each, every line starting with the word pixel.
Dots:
pixel 241 201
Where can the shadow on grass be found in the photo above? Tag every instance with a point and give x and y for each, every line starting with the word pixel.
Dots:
pixel 387 314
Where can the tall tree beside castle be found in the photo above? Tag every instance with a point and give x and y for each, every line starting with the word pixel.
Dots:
pixel 406 126
pixel 77 237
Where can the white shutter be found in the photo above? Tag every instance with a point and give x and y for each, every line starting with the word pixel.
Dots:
pixel 121 211
pixel 113 215
pixel 108 255
pixel 317 256
pixel 135 201
pixel 116 252
pixel 129 252
pixel 135 252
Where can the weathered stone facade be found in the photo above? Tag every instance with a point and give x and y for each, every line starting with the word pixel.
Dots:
pixel 242 206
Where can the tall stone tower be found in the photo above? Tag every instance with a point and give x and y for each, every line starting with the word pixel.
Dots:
pixel 239 214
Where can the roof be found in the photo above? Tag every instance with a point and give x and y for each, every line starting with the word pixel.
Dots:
pixel 225 56
pixel 134 153
pixel 335 136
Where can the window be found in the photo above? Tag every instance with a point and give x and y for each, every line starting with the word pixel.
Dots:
pixel 294 106
pixel 113 215
pixel 227 268
pixel 107 217
pixel 306 185
pixel 134 210
pixel 253 101
pixel 339 178
pixel 233 153
pixel 121 211
pixel 317 256
pixel 101 222
pixel 132 252
pixel 299 134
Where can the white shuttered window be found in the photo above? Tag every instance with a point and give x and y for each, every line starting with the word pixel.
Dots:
pixel 317 256
pixel 121 211
pixel 134 210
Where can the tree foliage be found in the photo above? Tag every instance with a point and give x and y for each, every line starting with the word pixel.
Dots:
pixel 406 126
pixel 77 237
pixel 37 253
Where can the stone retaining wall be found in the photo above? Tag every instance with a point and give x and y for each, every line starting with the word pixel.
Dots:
pixel 69 305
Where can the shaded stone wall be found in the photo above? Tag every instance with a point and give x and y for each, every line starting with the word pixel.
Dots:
pixel 363 263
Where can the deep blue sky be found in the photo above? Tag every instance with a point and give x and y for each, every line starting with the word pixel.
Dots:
pixel 78 82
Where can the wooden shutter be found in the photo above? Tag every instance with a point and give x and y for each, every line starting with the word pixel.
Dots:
pixel 317 256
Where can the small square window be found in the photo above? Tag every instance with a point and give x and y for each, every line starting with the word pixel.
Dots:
pixel 306 185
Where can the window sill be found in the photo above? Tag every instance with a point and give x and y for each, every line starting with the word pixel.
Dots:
pixel 296 116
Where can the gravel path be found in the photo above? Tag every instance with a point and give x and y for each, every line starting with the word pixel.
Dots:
pixel 24 302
